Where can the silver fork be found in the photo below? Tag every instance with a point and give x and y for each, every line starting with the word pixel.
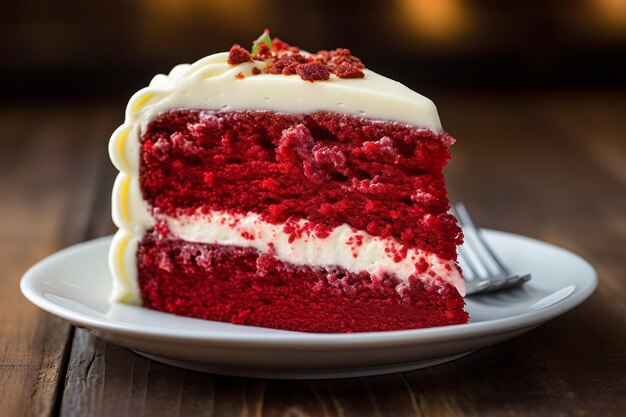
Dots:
pixel 482 270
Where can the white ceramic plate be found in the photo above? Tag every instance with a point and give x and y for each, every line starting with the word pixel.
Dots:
pixel 74 284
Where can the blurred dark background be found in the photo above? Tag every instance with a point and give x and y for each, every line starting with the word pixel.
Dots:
pixel 86 49
pixel 534 91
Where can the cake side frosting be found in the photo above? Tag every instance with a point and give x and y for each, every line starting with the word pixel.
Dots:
pixel 213 84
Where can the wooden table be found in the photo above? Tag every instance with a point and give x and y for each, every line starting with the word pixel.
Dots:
pixel 550 166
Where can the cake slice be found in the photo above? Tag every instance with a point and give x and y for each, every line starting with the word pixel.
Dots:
pixel 288 190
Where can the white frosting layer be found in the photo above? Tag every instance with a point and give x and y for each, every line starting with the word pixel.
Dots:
pixel 212 84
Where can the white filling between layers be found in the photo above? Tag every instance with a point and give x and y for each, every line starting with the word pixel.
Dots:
pixel 374 255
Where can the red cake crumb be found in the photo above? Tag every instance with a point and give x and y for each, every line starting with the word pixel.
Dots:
pixel 313 72
pixel 247 235
pixel 282 58
pixel 355 242
pixel 339 56
pixel 279 46
pixel 264 52
pixel 295 230
pixel 346 70
pixel 238 55
pixel 330 169
pixel 239 285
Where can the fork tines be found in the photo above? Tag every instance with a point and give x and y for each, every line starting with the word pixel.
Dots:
pixel 482 269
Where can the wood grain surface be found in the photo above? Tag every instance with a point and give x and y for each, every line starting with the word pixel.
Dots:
pixel 550 166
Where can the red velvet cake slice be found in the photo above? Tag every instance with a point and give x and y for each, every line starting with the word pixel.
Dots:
pixel 288 190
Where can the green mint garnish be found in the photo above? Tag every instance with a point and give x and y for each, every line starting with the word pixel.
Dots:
pixel 264 38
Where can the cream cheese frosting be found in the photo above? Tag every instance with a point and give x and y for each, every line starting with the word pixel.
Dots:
pixel 212 84
pixel 373 254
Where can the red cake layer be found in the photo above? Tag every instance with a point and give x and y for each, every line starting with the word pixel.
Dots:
pixel 238 285
pixel 385 178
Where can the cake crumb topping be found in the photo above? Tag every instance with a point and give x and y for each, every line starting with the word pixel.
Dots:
pixel 284 59
pixel 313 71
pixel 238 55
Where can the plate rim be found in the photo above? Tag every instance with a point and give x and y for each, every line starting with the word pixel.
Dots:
pixel 302 339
